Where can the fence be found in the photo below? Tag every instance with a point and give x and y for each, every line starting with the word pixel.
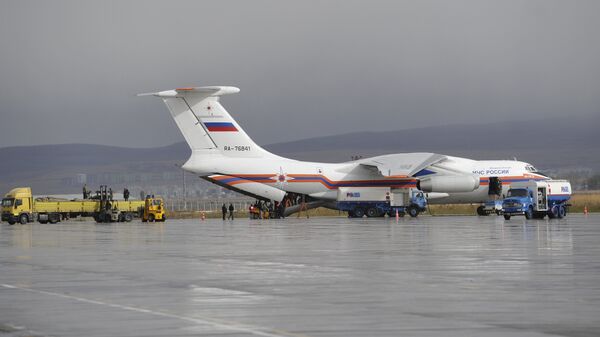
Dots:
pixel 207 205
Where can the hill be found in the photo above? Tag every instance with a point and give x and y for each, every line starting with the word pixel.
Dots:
pixel 552 144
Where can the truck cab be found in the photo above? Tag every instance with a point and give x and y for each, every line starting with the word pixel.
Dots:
pixel 17 206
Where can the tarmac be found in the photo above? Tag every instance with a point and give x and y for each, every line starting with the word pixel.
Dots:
pixel 430 276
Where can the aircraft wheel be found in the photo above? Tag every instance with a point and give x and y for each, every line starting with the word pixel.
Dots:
pixel 372 212
pixel 358 212
pixel 23 219
pixel 506 217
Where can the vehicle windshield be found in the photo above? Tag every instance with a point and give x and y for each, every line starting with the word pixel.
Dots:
pixel 517 193
pixel 7 202
pixel 156 202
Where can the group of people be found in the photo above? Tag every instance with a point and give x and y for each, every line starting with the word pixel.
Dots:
pixel 87 194
pixel 224 209
pixel 266 210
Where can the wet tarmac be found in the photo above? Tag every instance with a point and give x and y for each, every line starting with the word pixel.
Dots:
pixel 431 276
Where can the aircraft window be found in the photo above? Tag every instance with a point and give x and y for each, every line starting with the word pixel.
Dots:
pixel 530 168
pixel 7 202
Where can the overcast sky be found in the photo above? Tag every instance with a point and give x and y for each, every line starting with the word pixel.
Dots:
pixel 69 70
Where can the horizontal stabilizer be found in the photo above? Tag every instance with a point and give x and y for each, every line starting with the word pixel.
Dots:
pixel 206 91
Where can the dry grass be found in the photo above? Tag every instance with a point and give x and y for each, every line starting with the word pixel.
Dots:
pixel 243 214
pixel 578 202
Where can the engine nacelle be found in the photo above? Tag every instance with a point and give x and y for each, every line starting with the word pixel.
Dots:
pixel 449 184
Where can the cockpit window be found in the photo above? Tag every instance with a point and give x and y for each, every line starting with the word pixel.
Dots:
pixel 530 168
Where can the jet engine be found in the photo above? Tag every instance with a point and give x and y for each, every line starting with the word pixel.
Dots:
pixel 449 184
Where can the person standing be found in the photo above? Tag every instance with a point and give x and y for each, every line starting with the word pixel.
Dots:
pixel 126 194
pixel 224 210
pixel 231 209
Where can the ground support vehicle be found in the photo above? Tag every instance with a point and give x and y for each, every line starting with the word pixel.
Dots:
pixel 536 199
pixel 490 207
pixel 379 201
pixel 19 205
pixel 154 209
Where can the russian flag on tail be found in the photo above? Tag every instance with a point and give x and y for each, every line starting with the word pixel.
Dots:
pixel 220 127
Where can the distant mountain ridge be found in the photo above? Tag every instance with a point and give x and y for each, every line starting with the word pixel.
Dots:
pixel 552 143
pixel 559 143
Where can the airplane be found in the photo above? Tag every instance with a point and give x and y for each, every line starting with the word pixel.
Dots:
pixel 222 153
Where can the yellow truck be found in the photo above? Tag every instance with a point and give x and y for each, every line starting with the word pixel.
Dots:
pixel 18 205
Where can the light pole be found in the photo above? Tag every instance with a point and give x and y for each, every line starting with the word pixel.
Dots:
pixel 183 180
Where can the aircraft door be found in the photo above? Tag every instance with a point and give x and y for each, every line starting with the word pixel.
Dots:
pixel 495 187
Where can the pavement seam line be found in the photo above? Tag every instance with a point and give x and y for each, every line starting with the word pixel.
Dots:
pixel 217 323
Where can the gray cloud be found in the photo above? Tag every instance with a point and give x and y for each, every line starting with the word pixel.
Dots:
pixel 69 70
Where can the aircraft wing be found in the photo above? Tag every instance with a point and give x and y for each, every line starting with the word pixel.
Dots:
pixel 402 164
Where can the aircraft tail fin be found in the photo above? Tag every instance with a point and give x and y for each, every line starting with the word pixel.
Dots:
pixel 205 124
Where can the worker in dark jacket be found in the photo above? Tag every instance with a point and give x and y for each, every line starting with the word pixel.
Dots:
pixel 224 210
pixel 126 194
pixel 231 211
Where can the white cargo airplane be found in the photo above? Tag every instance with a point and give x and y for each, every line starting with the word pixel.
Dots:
pixel 223 153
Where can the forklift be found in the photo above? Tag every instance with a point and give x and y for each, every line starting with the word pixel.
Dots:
pixel 154 209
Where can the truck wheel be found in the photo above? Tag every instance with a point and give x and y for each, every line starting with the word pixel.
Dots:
pixel 506 217
pixel 553 212
pixel 413 211
pixel 561 212
pixel 358 212
pixel 164 218
pixel 151 218
pixel 23 219
pixel 529 213
pixel 53 218
pixel 481 211
pixel 11 222
pixel 372 212
pixel 128 217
